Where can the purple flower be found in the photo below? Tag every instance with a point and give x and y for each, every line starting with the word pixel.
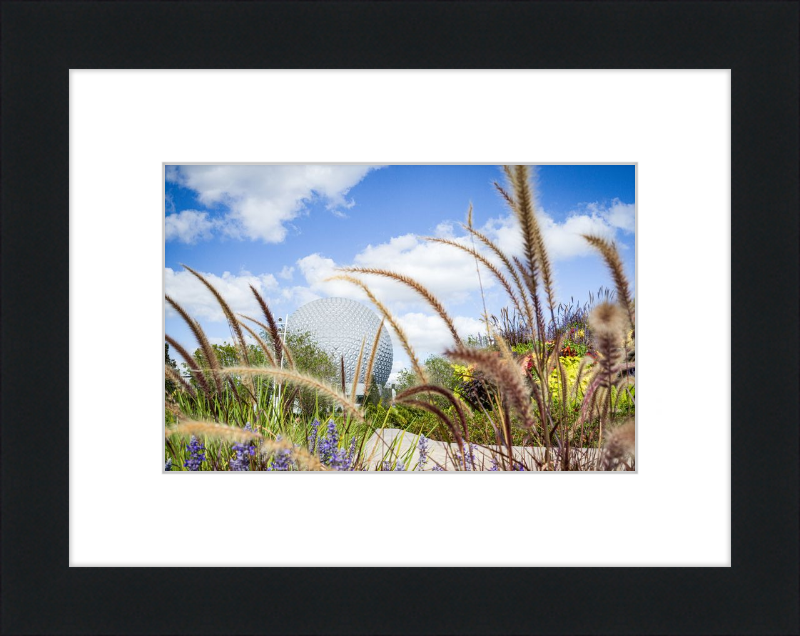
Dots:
pixel 282 459
pixel 196 454
pixel 312 438
pixel 422 444
pixel 438 469
pixel 468 461
pixel 329 453
pixel 494 464
pixel 242 454
pixel 387 466
pixel 351 453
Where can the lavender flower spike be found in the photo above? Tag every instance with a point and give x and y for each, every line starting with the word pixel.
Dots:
pixel 241 459
pixel 282 460
pixel 422 444
pixel 196 454
pixel 312 438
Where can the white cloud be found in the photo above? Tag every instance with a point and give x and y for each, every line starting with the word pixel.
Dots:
pixel 200 303
pixel 188 226
pixel 621 215
pixel 446 271
pixel 564 240
pixel 287 273
pixel 428 334
pixel 444 230
pixel 262 199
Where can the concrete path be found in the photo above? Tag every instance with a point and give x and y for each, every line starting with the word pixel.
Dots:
pixel 397 446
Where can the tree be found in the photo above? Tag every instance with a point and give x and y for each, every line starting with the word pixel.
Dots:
pixel 441 372
pixel 311 359
pixel 169 385
pixel 406 378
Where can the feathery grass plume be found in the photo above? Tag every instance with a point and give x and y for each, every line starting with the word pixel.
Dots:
pixel 620 445
pixel 262 345
pixel 478 271
pixel 200 428
pixel 173 408
pixel 533 242
pixel 553 357
pixel 194 368
pixel 508 357
pixel 504 193
pixel 283 346
pixel 390 319
pixel 172 374
pixel 202 340
pixel 354 388
pixel 432 408
pixel 506 376
pixel 530 277
pixel 298 378
pixel 585 361
pixel 508 265
pixel 486 262
pixel 417 287
pixel 607 323
pixel 614 262
pixel 564 386
pixel 371 361
pixel 448 395
pixel 272 330
pixel 226 310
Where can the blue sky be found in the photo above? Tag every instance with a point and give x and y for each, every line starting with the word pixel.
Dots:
pixel 284 229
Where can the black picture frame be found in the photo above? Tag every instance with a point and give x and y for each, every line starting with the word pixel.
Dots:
pixel 759 593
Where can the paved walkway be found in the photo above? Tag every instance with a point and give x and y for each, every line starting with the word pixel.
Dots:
pixel 398 446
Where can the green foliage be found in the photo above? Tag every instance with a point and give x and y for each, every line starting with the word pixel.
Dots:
pixel 310 358
pixel 569 348
pixel 169 385
pixel 441 372
pixel 405 380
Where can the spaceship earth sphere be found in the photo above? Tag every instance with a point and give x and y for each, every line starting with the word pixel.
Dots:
pixel 338 326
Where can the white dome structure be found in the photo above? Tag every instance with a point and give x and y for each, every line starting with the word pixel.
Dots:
pixel 338 326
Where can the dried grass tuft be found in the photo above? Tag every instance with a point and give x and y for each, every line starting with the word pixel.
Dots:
pixel 200 428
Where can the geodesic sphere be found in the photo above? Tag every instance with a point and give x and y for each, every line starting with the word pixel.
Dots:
pixel 338 326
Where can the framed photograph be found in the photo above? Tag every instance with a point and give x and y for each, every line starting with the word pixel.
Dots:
pixel 363 141
pixel 480 347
